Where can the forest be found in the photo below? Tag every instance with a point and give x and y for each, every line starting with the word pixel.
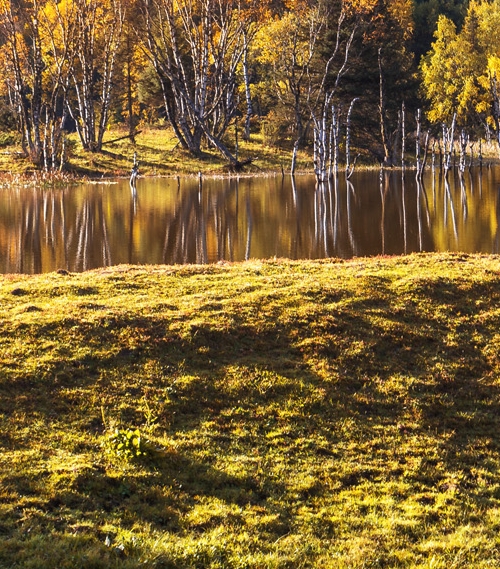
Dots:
pixel 341 77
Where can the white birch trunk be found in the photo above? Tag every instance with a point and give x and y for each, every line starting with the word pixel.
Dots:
pixel 248 95
pixel 403 135
pixel 349 169
pixel 417 141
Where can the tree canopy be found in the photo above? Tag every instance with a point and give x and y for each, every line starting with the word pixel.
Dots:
pixel 292 68
pixel 459 73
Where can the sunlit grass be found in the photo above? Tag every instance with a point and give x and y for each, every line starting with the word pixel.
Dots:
pixel 159 154
pixel 293 414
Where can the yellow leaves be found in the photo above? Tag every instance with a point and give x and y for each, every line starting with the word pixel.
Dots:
pixel 4 6
pixel 494 65
pixel 297 6
pixel 456 72
pixel 358 7
pixel 402 12
pixel 54 11
pixel 487 16
pixel 275 41
pixel 446 31
pixel 303 8
pixel 467 95
pixel 50 11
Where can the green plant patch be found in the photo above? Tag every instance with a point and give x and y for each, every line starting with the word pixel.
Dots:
pixel 266 414
pixel 127 444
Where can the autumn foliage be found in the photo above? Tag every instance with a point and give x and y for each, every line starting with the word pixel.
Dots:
pixel 207 66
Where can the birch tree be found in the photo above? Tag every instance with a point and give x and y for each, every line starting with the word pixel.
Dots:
pixel 59 47
pixel 285 48
pixel 253 14
pixel 308 51
pixel 344 26
pixel 21 39
pixel 489 23
pixel 37 51
pixel 98 36
pixel 195 47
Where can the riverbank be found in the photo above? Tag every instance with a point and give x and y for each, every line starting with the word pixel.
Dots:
pixel 157 150
pixel 158 153
pixel 325 414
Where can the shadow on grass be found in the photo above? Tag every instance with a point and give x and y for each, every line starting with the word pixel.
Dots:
pixel 233 386
pixel 444 358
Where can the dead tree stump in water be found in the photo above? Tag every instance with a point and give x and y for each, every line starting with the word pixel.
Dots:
pixel 237 166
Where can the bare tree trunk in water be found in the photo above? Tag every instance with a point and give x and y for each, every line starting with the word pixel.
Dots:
pixel 417 140
pixel 463 139
pixel 448 138
pixel 294 156
pixel 381 112
pixel 334 142
pixel 349 169
pixel 403 134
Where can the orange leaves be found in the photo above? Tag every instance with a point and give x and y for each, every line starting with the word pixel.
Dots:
pixel 255 10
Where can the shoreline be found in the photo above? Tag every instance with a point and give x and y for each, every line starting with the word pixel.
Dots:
pixel 158 155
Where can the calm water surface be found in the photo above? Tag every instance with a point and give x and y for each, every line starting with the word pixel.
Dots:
pixel 177 221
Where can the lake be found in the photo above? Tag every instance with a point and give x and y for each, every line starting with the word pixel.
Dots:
pixel 169 220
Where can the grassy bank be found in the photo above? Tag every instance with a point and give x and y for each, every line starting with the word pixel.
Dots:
pixel 257 415
pixel 158 153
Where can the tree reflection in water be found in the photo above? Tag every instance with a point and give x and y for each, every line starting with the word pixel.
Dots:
pixel 204 221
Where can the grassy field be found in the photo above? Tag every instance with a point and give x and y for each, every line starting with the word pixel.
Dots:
pixel 259 415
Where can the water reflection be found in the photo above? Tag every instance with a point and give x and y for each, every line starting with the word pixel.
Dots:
pixel 192 221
